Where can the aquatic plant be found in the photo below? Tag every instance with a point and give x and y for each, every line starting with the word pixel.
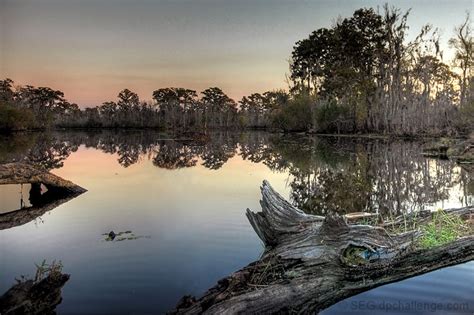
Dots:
pixel 122 236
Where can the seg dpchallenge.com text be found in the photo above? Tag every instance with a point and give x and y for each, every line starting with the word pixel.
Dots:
pixel 412 306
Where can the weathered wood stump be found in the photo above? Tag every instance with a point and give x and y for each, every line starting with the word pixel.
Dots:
pixel 312 262
pixel 34 297
pixel 59 192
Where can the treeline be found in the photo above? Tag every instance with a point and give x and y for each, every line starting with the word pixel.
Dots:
pixel 361 75
pixel 29 107
pixel 171 109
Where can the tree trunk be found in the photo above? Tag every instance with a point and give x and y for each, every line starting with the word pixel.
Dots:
pixel 312 262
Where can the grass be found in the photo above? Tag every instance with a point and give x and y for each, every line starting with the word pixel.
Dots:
pixel 444 228
pixel 48 270
pixel 43 271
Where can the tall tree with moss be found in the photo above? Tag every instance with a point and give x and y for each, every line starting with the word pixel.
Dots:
pixel 463 44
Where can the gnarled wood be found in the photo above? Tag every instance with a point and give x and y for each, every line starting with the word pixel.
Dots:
pixel 312 262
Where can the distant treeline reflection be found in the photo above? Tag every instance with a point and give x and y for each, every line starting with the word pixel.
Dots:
pixel 333 173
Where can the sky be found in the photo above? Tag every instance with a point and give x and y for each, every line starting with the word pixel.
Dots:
pixel 92 49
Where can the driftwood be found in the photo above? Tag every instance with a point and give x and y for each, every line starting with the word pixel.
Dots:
pixel 59 191
pixel 34 297
pixel 312 262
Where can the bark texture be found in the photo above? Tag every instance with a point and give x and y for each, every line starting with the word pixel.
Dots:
pixel 312 262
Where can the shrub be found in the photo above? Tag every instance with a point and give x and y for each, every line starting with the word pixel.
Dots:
pixel 296 114
pixel 331 117
pixel 465 119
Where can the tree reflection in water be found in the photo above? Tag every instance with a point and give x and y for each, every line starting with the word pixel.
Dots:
pixel 173 155
pixel 326 174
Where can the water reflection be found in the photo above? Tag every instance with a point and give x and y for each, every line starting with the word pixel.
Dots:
pixel 338 174
pixel 40 200
pixel 190 198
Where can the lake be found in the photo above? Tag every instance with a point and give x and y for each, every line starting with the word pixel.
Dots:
pixel 180 206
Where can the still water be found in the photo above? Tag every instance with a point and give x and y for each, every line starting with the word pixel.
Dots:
pixel 184 205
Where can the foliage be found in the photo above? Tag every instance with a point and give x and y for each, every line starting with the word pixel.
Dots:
pixel 45 270
pixel 296 115
pixel 368 74
pixel 465 117
pixel 257 110
pixel 333 118
pixel 12 119
pixel 444 228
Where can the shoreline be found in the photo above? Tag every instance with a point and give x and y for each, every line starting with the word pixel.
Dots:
pixel 373 136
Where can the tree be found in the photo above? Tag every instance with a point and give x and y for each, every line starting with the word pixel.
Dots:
pixel 12 118
pixel 128 100
pixel 219 109
pixel 186 98
pixel 92 117
pixel 253 107
pixel 310 59
pixel 174 104
pixel 463 45
pixel 363 71
pixel 108 110
pixel 43 101
pixel 6 90
pixel 341 62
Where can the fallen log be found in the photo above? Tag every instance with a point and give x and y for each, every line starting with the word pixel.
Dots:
pixel 312 262
pixel 58 192
pixel 21 173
